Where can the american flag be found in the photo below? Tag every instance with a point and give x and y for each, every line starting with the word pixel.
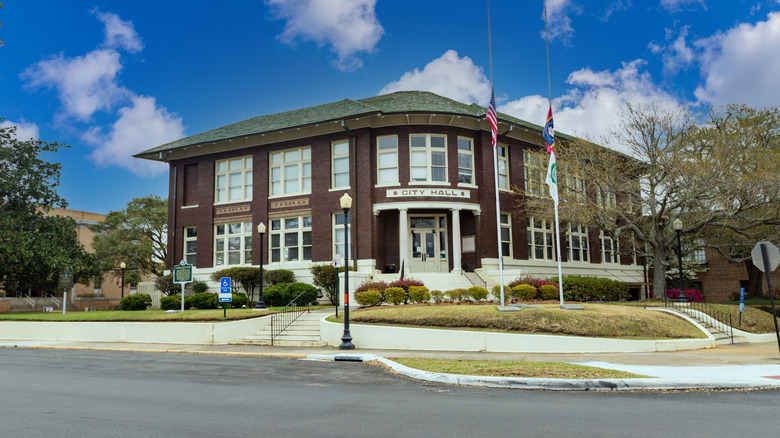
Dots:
pixel 491 117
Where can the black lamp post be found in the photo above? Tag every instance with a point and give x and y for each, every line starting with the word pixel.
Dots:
pixel 677 226
pixel 346 339
pixel 260 303
pixel 122 266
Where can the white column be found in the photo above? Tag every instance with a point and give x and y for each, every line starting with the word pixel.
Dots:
pixel 456 240
pixel 403 240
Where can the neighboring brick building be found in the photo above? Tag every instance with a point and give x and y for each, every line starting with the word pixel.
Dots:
pixel 419 168
pixel 723 279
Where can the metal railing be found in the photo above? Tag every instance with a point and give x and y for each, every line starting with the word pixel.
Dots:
pixel 54 300
pixel 288 315
pixel 29 300
pixel 707 315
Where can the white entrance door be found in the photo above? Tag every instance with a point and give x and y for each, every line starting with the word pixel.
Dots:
pixel 428 244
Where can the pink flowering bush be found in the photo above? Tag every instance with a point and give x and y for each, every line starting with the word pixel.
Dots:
pixel 692 295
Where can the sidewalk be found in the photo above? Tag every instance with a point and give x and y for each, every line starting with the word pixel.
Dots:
pixel 726 366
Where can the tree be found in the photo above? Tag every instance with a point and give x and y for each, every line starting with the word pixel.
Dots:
pixel 676 167
pixel 136 236
pixel 34 246
pixel 247 278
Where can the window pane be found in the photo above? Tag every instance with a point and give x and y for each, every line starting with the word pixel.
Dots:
pixel 340 164
pixel 417 141
pixel 307 238
pixel 290 156
pixel 388 160
pixel 234 228
pixel 306 169
pixel 388 176
pixel 234 258
pixel 290 239
pixel 464 176
pixel 235 193
pixel 419 174
pixel 341 180
pixel 438 174
pixel 220 230
pixel 291 224
pixel 275 240
pixel 192 231
pixel 291 186
pixel 234 243
pixel 276 173
pixel 220 259
pixel 275 255
pixel 388 143
pixel 464 145
pixel 341 148
pixel 191 247
pixel 464 161
pixel 247 242
pixel 276 158
pixel 221 180
pixel 307 253
pixel 438 159
pixel 220 244
pixel 437 142
pixel 237 164
pixel 276 224
pixel 248 163
pixel 307 222
pixel 419 159
pixel 291 254
pixel 505 234
pixel 306 154
pixel 291 171
pixel 221 195
pixel 222 166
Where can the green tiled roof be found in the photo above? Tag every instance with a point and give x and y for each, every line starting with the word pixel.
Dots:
pixel 398 102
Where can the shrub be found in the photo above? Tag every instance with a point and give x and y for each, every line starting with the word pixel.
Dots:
pixel 437 295
pixel 204 300
pixel 374 285
pixel 136 302
pixel 165 284
pixel 478 293
pixel 419 294
pixel 326 277
pixel 497 291
pixel 405 284
pixel 395 295
pixel 368 297
pixel 280 294
pixel 173 302
pixel 692 295
pixel 199 287
pixel 457 294
pixel 238 300
pixel 579 288
pixel 533 281
pixel 524 292
pixel 548 292
pixel 278 276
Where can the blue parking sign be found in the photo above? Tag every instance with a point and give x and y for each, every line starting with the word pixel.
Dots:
pixel 224 290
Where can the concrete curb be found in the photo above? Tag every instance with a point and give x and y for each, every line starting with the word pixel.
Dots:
pixel 639 384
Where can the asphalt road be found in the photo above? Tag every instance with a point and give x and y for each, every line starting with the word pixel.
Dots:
pixel 71 393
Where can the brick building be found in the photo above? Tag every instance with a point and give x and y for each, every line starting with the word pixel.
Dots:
pixel 420 170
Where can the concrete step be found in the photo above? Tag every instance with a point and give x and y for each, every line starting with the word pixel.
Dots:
pixel 303 332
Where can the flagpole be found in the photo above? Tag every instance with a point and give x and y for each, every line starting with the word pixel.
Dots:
pixel 552 175
pixel 495 165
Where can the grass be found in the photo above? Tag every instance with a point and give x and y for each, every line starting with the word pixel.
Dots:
pixel 597 320
pixel 554 370
pixel 138 315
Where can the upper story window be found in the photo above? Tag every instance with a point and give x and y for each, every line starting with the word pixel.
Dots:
pixel 233 244
pixel 291 239
pixel 609 249
pixel 428 158
pixel 606 199
pixel 540 239
pixel 577 243
pixel 340 164
pixel 291 172
pixel 503 167
pixel 533 173
pixel 233 180
pixel 506 235
pixel 387 160
pixel 465 160
pixel 575 188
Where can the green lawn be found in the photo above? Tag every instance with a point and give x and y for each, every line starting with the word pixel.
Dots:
pixel 554 370
pixel 138 315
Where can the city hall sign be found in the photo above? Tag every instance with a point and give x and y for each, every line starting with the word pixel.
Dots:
pixel 428 192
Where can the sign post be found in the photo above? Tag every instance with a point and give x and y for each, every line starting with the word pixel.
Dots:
pixel 337 264
pixel 741 305
pixel 225 295
pixel 766 257
pixel 182 273
pixel 65 282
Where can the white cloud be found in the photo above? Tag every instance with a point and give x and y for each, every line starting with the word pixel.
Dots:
pixel 739 66
pixel 141 125
pixel 591 108
pixel 679 5
pixel 677 55
pixel 615 6
pixel 24 131
pixel 85 84
pixel 558 21
pixel 449 75
pixel 118 33
pixel 348 26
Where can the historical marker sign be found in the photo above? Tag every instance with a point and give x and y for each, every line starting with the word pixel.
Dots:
pixel 182 273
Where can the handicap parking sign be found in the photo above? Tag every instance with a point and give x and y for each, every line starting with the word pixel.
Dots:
pixel 224 290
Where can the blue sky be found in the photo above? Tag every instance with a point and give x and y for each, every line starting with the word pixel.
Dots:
pixel 111 79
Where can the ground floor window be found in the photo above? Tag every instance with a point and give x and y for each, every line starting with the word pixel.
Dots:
pixel 506 235
pixel 190 244
pixel 233 244
pixel 577 243
pixel 291 239
pixel 338 234
pixel 609 249
pixel 540 239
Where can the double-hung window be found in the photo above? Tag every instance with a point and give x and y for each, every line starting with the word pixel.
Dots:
pixel 428 158
pixel 503 167
pixel 291 172
pixel 533 173
pixel 577 243
pixel 465 160
pixel 233 244
pixel 338 234
pixel 340 164
pixel 233 180
pixel 291 239
pixel 506 235
pixel 540 239
pixel 609 249
pixel 387 160
pixel 190 244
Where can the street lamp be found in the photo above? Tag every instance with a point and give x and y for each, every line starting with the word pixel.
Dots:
pixel 122 266
pixel 346 339
pixel 260 303
pixel 677 226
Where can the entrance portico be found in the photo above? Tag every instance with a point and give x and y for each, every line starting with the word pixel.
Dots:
pixel 423 235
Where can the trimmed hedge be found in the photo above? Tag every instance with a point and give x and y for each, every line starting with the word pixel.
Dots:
pixel 173 302
pixel 395 295
pixel 136 302
pixel 524 292
pixel 478 293
pixel 577 288
pixel 280 295
pixel 278 276
pixel 204 300
pixel 548 292
pixel 437 295
pixel 419 294
pixel 368 297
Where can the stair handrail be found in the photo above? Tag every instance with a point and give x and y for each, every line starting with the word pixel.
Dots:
pixel 717 319
pixel 288 315
pixel 54 300
pixel 29 300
